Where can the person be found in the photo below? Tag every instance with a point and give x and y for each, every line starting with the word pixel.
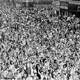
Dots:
pixel 29 78
pixel 55 12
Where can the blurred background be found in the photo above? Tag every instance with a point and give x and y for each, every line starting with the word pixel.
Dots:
pixel 61 7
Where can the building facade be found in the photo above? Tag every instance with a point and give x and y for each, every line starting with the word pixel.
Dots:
pixel 68 7
pixel 74 7
pixel 33 2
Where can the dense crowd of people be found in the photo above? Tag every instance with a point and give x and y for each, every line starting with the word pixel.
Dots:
pixel 37 45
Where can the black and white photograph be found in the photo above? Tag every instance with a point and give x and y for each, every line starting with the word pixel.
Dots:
pixel 39 39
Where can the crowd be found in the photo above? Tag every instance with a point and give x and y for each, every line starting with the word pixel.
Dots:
pixel 37 45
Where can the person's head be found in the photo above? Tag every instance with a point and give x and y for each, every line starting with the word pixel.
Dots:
pixel 74 15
